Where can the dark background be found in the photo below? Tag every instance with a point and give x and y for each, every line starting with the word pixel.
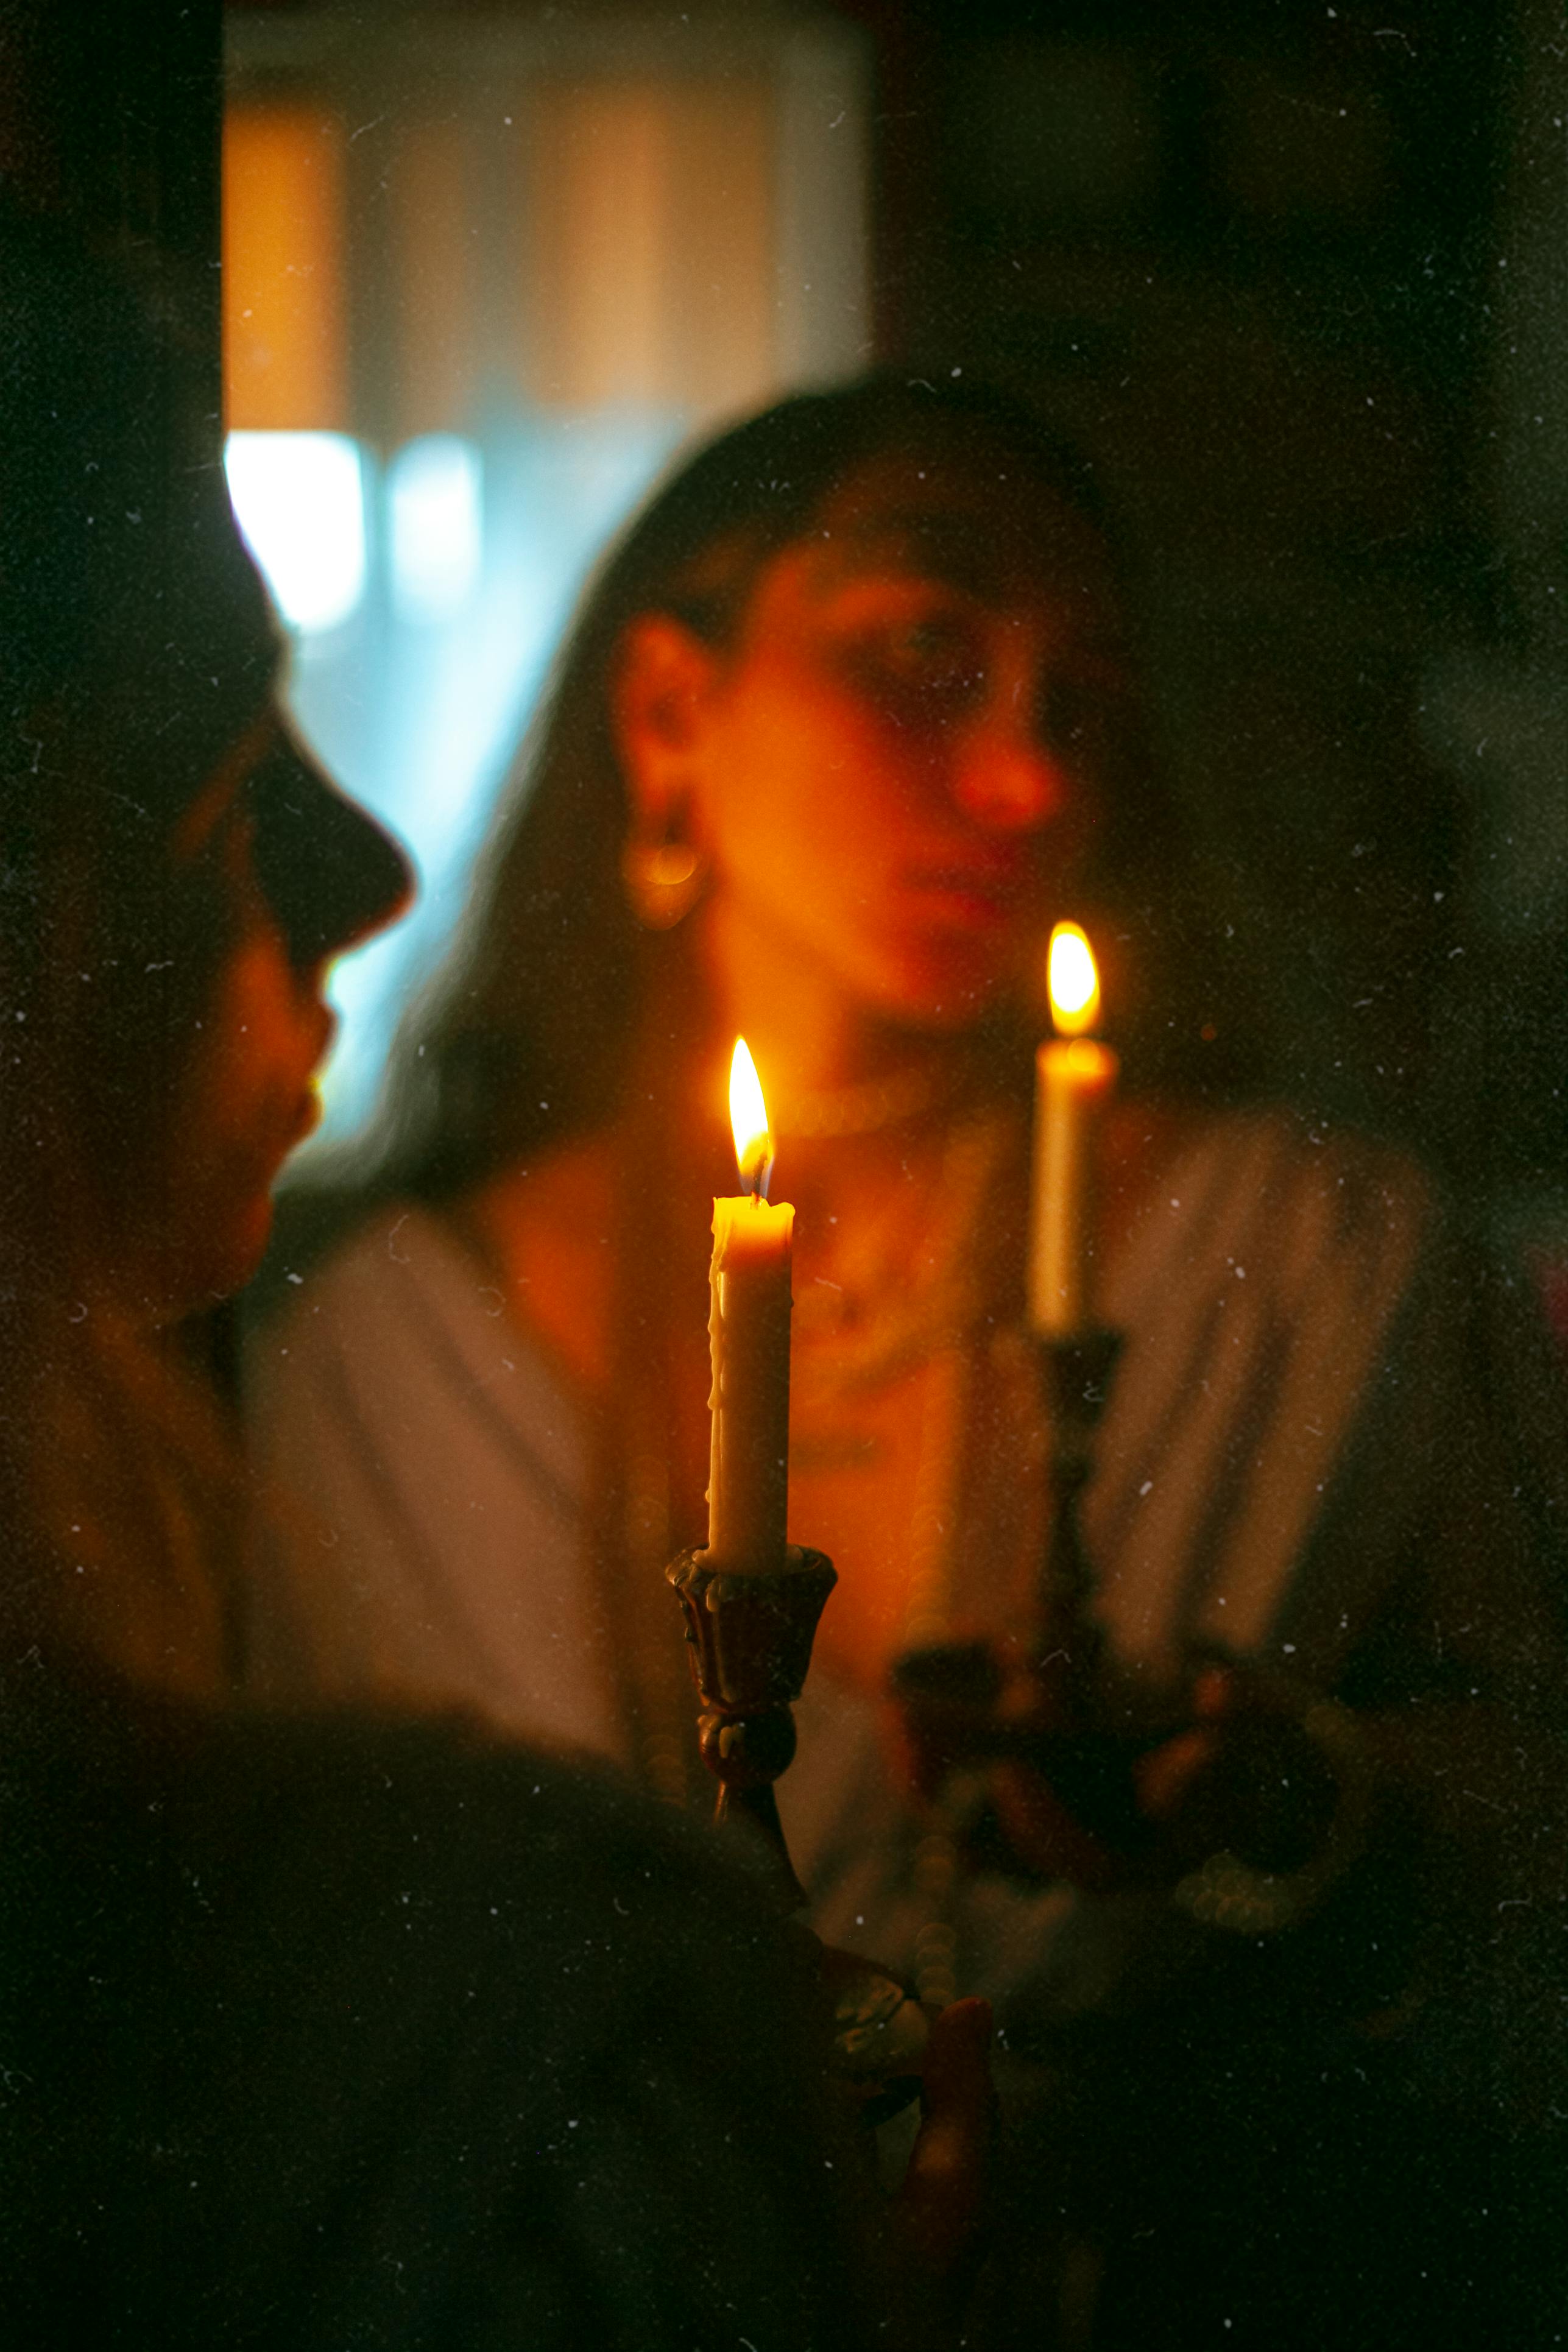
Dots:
pixel 1256 254
pixel 1296 275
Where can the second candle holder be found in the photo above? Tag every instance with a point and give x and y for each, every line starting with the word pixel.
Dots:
pixel 1076 1373
pixel 1077 1726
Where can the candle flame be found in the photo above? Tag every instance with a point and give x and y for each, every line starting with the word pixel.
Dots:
pixel 1074 981
pixel 749 1119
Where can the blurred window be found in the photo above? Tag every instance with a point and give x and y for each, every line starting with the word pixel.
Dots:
pixel 434 500
pixel 299 499
pixel 481 281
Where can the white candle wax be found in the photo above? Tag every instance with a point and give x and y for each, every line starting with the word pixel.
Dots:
pixel 748 1488
pixel 1074 1078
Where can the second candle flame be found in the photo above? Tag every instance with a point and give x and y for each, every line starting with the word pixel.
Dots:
pixel 1073 981
pixel 749 1119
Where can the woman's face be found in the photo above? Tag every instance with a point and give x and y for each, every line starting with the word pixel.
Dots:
pixel 897 763
pixel 245 1095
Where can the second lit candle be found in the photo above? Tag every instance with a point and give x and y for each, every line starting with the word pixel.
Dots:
pixel 1075 1077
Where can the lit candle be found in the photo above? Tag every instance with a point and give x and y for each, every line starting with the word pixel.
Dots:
pixel 747 1485
pixel 1074 1076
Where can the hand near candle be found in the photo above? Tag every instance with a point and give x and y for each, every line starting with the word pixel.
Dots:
pixel 1242 1776
pixel 938 2215
pixel 1245 1777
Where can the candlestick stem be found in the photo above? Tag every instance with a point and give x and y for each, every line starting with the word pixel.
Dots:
pixel 954 1693
pixel 751 1633
pixel 1076 1372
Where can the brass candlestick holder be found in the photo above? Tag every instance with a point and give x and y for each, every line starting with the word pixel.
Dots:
pixel 1083 1727
pixel 1073 1726
pixel 750 1639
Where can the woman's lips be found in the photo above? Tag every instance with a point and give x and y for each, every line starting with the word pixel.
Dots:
pixel 307 1117
pixel 307 1114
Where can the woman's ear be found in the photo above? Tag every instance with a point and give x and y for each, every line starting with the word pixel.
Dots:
pixel 661 695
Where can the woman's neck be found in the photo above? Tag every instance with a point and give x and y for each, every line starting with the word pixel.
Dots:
pixel 809 1039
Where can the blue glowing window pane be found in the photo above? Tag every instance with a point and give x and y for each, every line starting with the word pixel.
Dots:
pixel 475 555
pixel 300 500
pixel 435 491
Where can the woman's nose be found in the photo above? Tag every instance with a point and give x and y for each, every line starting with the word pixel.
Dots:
pixel 329 872
pixel 1008 780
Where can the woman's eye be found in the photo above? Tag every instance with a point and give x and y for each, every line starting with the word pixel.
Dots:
pixel 931 658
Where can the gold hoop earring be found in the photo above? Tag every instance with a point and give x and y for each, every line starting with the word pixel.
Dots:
pixel 663 881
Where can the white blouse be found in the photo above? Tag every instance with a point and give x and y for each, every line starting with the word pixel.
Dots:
pixel 1293 1463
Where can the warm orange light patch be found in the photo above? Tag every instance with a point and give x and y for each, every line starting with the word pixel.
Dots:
pixel 285 362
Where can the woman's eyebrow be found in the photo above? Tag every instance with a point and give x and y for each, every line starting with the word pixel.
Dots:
pixel 931 531
pixel 957 550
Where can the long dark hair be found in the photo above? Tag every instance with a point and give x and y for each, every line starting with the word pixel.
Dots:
pixel 528 1032
pixel 135 647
